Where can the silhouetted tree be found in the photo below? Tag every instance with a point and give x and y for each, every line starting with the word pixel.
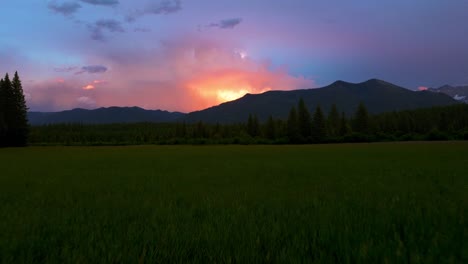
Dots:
pixel 345 128
pixel 253 126
pixel 293 126
pixel 200 130
pixel 19 125
pixel 361 120
pixel 3 125
pixel 319 126
pixel 270 132
pixel 13 112
pixel 333 122
pixel 7 111
pixel 304 119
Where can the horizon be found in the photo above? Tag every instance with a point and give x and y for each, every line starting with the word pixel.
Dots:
pixel 182 56
pixel 188 112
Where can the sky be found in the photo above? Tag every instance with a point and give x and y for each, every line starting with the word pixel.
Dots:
pixel 186 55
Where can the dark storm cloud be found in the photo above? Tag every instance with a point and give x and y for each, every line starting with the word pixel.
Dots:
pixel 99 27
pixel 93 69
pixel 110 25
pixel 158 8
pixel 65 8
pixel 102 2
pixel 227 23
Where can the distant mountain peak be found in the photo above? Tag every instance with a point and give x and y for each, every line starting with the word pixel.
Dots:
pixel 340 83
pixel 378 95
pixel 373 81
pixel 459 93
pixel 376 81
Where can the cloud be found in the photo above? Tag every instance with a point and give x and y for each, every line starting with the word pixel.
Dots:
pixel 65 8
pixel 86 102
pixel 226 23
pixel 157 8
pixel 190 74
pixel 93 69
pixel 94 84
pixel 99 27
pixel 88 87
pixel 102 2
pixel 142 30
pixel 184 74
pixel 64 69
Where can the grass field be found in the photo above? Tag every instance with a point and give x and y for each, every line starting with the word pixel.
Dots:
pixel 352 203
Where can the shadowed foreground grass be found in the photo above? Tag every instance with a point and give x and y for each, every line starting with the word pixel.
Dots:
pixel 375 203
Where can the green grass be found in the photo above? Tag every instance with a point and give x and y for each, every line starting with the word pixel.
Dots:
pixel 354 203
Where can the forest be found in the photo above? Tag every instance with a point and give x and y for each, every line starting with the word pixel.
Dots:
pixel 301 127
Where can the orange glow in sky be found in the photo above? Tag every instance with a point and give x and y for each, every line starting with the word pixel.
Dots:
pixel 223 87
pixel 88 87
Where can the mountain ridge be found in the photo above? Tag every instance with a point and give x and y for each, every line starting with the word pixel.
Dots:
pixel 458 92
pixel 103 115
pixel 378 96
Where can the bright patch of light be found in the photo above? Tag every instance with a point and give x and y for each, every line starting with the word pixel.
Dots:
pixel 241 54
pixel 230 95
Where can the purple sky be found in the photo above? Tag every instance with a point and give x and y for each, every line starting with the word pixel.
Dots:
pixel 187 55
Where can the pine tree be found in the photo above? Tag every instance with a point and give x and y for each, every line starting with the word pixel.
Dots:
pixel 345 129
pixel 270 132
pixel 361 120
pixel 20 125
pixel 3 127
pixel 304 120
pixel 7 111
pixel 253 126
pixel 333 122
pixel 293 126
pixel 319 126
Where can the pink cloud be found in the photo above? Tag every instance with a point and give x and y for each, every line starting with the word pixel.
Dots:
pixel 183 75
pixel 89 87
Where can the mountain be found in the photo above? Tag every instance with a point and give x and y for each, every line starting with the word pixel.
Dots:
pixel 103 116
pixel 459 93
pixel 379 96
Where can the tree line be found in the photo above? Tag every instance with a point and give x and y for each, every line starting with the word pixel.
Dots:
pixel 14 127
pixel 301 127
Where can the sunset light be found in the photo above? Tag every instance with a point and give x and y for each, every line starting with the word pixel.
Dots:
pixel 88 87
pixel 180 55
pixel 229 95
pixel 212 131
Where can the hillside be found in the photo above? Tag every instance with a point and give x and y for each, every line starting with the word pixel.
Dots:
pixel 103 116
pixel 459 93
pixel 379 96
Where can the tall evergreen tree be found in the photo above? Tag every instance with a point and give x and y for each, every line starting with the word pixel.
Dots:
pixel 345 128
pixel 319 126
pixel 7 111
pixel 20 127
pixel 253 126
pixel 293 126
pixel 361 120
pixel 3 127
pixel 270 132
pixel 333 122
pixel 304 120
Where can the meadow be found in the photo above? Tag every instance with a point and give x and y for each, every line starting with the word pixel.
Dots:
pixel 348 203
